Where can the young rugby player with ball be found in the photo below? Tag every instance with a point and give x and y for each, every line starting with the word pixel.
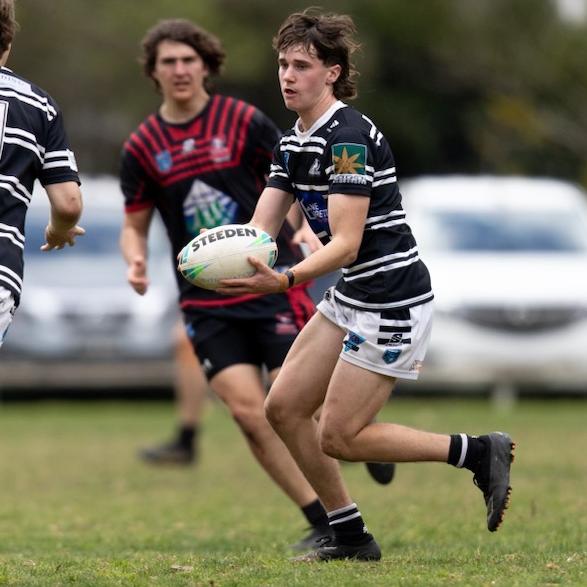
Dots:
pixel 373 326
pixel 201 161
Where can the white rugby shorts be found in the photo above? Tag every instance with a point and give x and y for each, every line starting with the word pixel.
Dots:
pixel 392 342
pixel 7 308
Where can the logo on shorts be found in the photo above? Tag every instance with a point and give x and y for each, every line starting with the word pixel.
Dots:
pixel 285 324
pixel 352 342
pixel 207 366
pixel 390 356
pixel 416 366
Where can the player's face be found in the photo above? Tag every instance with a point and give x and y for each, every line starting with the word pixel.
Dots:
pixel 306 82
pixel 180 71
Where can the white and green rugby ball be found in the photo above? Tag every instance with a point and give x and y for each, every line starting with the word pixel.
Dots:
pixel 222 252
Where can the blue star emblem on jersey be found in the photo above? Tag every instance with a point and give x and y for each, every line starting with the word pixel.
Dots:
pixel 164 161
pixel 352 342
pixel 390 356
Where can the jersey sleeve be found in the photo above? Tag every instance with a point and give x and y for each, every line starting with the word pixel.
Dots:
pixel 135 182
pixel 59 163
pixel 351 162
pixel 278 174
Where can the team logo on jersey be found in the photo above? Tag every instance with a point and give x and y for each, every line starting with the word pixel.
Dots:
pixel 219 152
pixel 188 145
pixel 164 161
pixel 286 160
pixel 349 158
pixel 390 356
pixel 352 342
pixel 315 168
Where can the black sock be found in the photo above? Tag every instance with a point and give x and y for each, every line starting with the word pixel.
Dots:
pixel 466 451
pixel 187 436
pixel 348 525
pixel 316 514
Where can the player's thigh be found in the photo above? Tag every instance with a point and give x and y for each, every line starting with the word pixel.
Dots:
pixel 240 386
pixel 303 379
pixel 354 397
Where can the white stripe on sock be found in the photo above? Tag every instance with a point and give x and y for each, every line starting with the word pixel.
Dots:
pixel 464 447
pixel 346 508
pixel 345 519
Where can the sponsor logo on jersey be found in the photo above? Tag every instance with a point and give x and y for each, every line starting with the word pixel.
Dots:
pixel 315 168
pixel 164 161
pixel 333 125
pixel 352 342
pixel 207 207
pixel 349 159
pixel 390 356
pixel 188 145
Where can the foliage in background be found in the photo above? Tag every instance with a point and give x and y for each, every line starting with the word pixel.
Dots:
pixel 496 86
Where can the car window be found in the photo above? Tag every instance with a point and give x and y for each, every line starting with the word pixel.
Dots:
pixel 513 231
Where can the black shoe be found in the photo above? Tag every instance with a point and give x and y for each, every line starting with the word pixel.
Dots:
pixel 493 476
pixel 383 473
pixel 313 539
pixel 330 550
pixel 168 454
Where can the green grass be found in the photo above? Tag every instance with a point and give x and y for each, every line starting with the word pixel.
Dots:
pixel 77 508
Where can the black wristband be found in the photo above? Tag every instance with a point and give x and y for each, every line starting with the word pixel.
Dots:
pixel 290 278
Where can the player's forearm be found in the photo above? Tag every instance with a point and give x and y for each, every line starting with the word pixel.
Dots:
pixel 271 211
pixel 133 244
pixel 66 205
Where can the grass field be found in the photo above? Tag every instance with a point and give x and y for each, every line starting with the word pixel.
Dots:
pixel 77 508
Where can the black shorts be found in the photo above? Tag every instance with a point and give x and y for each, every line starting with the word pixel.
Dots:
pixel 258 332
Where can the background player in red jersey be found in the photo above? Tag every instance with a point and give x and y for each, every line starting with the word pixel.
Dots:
pixel 33 145
pixel 201 160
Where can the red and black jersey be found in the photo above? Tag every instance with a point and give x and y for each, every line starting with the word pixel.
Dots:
pixel 201 174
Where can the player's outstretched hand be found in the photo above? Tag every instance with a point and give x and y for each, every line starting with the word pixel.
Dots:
pixel 55 239
pixel 265 280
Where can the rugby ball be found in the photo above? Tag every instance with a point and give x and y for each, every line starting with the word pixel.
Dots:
pixel 222 252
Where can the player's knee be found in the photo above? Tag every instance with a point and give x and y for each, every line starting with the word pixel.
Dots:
pixel 247 415
pixel 275 411
pixel 333 442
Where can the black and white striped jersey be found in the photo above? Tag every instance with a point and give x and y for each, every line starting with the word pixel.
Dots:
pixel 33 145
pixel 344 153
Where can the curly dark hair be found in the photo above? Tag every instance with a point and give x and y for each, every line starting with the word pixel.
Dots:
pixel 8 24
pixel 208 47
pixel 330 36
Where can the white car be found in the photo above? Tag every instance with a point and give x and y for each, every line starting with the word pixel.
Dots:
pixel 79 323
pixel 508 260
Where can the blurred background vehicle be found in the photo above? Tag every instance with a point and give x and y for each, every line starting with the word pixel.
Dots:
pixel 79 324
pixel 508 258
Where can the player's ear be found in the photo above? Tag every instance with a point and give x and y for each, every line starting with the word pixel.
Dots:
pixel 333 74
